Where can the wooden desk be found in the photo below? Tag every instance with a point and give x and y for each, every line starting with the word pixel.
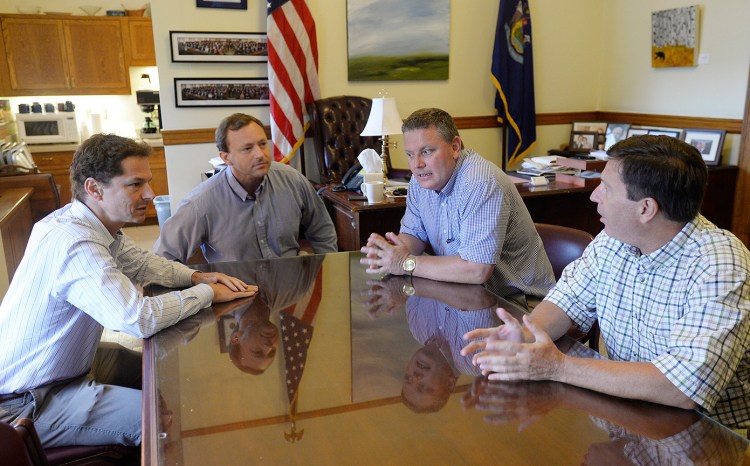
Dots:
pixel 366 342
pixel 557 203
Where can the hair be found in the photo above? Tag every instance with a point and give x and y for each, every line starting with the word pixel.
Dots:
pixel 100 157
pixel 432 118
pixel 232 123
pixel 666 169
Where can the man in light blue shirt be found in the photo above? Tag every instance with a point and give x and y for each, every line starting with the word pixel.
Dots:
pixel 467 210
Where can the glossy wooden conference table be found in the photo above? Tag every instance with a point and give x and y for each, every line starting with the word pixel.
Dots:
pixel 364 374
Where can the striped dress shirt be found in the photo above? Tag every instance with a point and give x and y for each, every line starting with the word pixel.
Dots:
pixel 480 216
pixel 74 279
pixel 684 307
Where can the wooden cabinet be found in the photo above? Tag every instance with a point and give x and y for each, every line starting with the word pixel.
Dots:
pixel 36 55
pixel 158 163
pixel 141 37
pixel 96 56
pixel 58 163
pixel 69 56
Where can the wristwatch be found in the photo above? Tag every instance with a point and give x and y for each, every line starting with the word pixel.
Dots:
pixel 409 264
pixel 408 289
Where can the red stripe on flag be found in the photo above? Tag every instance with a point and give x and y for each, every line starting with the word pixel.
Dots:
pixel 292 60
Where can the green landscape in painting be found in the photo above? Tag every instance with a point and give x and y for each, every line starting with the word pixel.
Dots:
pixel 402 67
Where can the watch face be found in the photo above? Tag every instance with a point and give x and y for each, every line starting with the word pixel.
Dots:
pixel 410 264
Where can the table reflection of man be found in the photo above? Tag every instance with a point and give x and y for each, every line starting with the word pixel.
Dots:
pixel 639 433
pixel 254 340
pixel 288 284
pixel 439 314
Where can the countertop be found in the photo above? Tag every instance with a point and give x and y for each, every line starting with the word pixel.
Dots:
pixel 42 148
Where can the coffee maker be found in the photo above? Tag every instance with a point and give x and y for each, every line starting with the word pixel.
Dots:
pixel 148 101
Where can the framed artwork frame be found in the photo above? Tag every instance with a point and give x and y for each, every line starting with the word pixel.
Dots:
pixel 218 47
pixel 590 126
pixel 709 143
pixel 415 49
pixel 227 325
pixel 675 133
pixel 584 141
pixel 221 92
pixel 232 4
pixel 615 133
pixel 636 132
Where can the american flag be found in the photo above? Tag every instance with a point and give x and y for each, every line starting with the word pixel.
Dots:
pixel 292 72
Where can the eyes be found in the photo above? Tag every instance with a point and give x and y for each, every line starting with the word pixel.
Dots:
pixel 249 148
pixel 424 153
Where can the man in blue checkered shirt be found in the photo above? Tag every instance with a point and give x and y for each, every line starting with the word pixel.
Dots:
pixel 671 292
pixel 468 211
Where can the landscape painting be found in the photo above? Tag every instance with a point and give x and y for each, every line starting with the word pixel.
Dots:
pixel 394 40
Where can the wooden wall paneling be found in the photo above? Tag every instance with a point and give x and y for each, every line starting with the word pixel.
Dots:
pixel 741 218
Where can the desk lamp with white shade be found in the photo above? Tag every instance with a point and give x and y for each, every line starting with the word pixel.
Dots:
pixel 384 120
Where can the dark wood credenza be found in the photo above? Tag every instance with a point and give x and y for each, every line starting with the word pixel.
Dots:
pixel 557 203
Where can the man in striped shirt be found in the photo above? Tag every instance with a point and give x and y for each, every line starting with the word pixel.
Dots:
pixel 671 293
pixel 79 274
pixel 468 211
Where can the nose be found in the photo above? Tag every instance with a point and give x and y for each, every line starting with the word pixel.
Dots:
pixel 417 161
pixel 595 194
pixel 148 193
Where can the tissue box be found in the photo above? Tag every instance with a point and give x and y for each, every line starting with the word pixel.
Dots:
pixel 366 177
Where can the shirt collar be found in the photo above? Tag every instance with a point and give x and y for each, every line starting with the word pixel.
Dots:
pixel 82 211
pixel 674 248
pixel 237 187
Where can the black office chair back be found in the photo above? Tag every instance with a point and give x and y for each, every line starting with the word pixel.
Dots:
pixel 336 123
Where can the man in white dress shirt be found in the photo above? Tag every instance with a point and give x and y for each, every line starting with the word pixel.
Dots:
pixel 79 274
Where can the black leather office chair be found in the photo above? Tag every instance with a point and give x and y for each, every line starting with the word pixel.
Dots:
pixel 336 123
pixel 563 245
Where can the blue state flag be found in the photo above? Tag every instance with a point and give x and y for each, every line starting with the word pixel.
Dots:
pixel 513 76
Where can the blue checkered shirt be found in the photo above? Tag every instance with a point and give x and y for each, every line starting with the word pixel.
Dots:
pixel 684 307
pixel 480 216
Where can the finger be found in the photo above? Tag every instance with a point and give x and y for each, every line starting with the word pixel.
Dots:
pixel 473 347
pixel 506 317
pixel 479 333
pixel 393 238
pixel 540 336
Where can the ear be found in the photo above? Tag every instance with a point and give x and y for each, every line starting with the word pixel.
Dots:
pixel 456 146
pixel 93 189
pixel 648 209
pixel 225 157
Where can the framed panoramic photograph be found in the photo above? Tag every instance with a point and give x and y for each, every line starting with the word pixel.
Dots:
pixel 219 47
pixel 616 132
pixel 233 4
pixel 221 92
pixel 709 143
pixel 583 141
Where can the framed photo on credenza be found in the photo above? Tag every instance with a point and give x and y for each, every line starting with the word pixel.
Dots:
pixel 709 143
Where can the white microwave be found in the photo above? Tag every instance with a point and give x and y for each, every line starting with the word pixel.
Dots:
pixel 45 128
